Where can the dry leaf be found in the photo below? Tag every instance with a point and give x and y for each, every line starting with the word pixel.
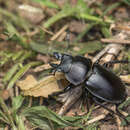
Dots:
pixel 44 87
pixel 5 94
pixel 32 14
pixel 125 78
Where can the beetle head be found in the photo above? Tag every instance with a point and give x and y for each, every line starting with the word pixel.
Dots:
pixel 65 64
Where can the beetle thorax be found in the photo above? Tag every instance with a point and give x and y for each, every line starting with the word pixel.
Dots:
pixel 77 73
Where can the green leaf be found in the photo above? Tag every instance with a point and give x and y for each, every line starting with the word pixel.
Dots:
pixel 82 7
pixel 39 122
pixel 17 102
pixel 6 112
pixel 10 73
pixel 3 117
pixel 21 72
pixel 126 2
pixel 90 47
pixel 125 103
pixel 65 12
pixel 111 7
pixel 42 48
pixel 43 112
pixel 17 55
pixel 11 29
pixel 14 34
pixel 18 75
pixel 47 3
pixel 105 32
pixel 124 122
pixel 20 123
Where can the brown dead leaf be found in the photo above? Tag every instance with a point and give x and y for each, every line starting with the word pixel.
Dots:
pixel 43 58
pixel 5 94
pixel 48 85
pixel 32 14
pixel 76 26
pixel 125 78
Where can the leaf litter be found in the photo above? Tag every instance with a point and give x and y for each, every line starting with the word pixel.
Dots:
pixel 87 38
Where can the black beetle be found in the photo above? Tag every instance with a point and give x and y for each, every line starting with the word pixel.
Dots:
pixel 101 83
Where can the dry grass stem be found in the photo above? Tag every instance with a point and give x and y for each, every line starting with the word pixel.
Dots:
pixel 45 30
pixel 62 37
pixel 59 33
pixel 115 41
pixel 100 117
pixel 111 50
pixel 30 101
pixel 41 101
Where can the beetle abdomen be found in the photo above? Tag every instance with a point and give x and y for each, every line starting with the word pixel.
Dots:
pixel 106 85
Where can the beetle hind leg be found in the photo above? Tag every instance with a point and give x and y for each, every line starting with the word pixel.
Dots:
pixel 111 111
pixel 121 115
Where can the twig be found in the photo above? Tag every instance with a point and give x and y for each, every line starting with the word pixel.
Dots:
pixel 59 32
pixel 16 91
pixel 45 30
pixel 121 27
pixel 63 35
pixel 41 101
pixel 119 123
pixel 30 101
pixel 111 53
pixel 111 50
pixel 120 41
pixel 100 117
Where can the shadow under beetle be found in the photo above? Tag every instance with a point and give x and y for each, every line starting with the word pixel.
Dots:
pixel 97 80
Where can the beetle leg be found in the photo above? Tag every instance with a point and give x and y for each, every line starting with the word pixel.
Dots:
pixel 69 87
pixel 54 67
pixel 116 62
pixel 87 100
pixel 111 111
pixel 121 115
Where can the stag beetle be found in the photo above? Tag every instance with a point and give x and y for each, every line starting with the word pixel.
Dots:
pixel 97 80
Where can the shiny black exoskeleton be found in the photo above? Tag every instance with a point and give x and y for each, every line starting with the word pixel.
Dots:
pixel 101 83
